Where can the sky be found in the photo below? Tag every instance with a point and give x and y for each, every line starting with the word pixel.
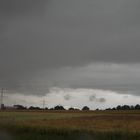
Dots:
pixel 70 52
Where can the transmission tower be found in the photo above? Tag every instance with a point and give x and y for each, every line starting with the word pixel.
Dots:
pixel 1 99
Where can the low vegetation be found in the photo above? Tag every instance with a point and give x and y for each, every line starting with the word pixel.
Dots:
pixel 106 125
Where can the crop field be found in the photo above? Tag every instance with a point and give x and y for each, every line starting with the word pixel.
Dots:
pixel 75 125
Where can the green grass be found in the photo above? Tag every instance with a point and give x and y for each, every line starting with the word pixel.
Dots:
pixel 92 125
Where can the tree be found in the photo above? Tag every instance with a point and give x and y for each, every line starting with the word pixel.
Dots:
pixel 71 108
pixel 119 107
pixel 46 108
pixel 59 107
pixel 85 108
pixel 19 107
pixel 132 107
pixel 126 107
pixel 34 108
pixel 137 106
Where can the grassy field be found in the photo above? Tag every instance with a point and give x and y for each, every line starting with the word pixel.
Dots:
pixel 79 125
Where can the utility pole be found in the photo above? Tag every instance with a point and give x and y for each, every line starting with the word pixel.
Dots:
pixel 1 100
pixel 44 104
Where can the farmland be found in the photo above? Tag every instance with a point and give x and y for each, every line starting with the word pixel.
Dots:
pixel 48 125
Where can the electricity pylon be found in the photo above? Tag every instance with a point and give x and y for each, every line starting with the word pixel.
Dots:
pixel 1 99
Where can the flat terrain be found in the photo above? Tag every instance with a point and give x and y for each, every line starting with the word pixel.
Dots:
pixel 43 124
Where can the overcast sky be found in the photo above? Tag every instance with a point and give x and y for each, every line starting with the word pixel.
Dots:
pixel 72 49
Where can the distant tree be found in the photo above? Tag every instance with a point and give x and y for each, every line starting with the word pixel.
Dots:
pixel 71 108
pixel 34 108
pixel 3 107
pixel 137 107
pixel 85 108
pixel 59 107
pixel 119 107
pixel 126 107
pixel 113 108
pixel 46 108
pixel 108 109
pixel 132 107
pixel 19 107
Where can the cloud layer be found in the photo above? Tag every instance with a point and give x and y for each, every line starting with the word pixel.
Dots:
pixel 69 44
pixel 79 98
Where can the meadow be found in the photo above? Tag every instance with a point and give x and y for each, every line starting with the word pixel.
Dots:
pixel 75 125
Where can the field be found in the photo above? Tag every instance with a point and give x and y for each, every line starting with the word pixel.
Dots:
pixel 78 125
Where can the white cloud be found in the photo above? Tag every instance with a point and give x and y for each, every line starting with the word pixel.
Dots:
pixel 78 98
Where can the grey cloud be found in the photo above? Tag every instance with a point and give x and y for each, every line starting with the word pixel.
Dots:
pixel 67 97
pixel 102 100
pixel 125 97
pixel 38 36
pixel 93 98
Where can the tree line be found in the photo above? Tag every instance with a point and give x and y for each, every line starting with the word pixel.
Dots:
pixel 85 108
pixel 58 107
pixel 125 107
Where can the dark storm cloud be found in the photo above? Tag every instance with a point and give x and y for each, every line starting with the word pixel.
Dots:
pixel 122 78
pixel 38 36
pixel 21 7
